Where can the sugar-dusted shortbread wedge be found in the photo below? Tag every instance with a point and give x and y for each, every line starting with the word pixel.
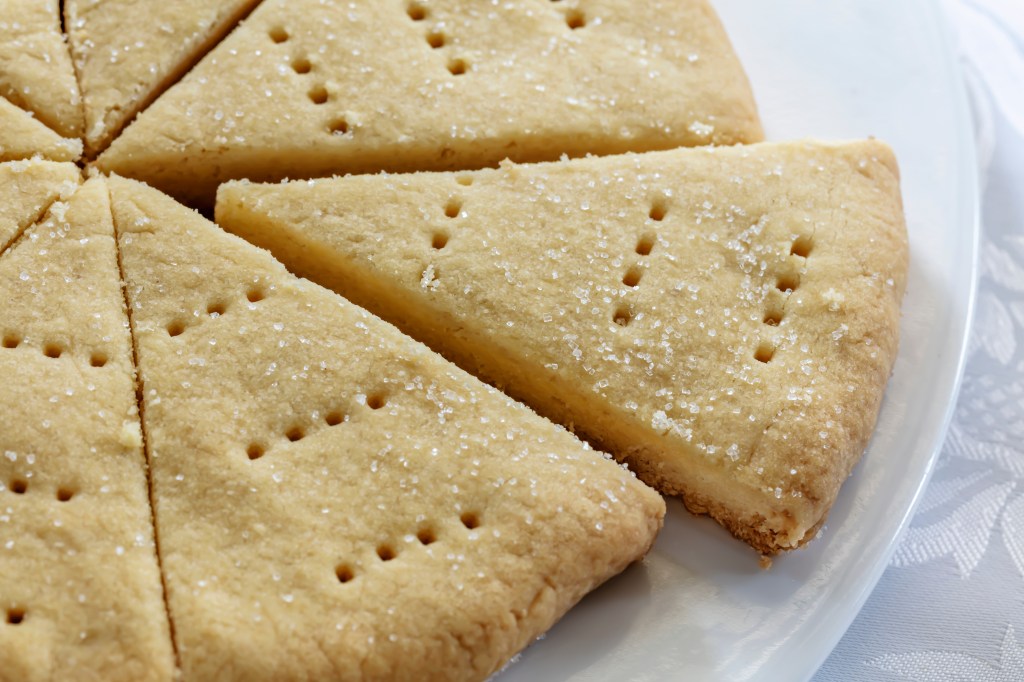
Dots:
pixel 724 320
pixel 305 88
pixel 80 590
pixel 22 137
pixel 125 60
pixel 35 67
pixel 333 499
pixel 27 188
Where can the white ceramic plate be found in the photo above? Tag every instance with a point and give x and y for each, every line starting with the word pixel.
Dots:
pixel 699 608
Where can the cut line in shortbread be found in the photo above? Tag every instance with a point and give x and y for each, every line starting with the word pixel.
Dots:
pixel 35 67
pixel 24 137
pixel 123 63
pixel 333 499
pixel 80 593
pixel 27 188
pixel 724 320
pixel 305 88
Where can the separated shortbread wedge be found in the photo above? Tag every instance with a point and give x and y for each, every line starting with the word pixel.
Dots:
pixel 27 188
pixel 22 137
pixel 333 500
pixel 124 61
pixel 305 88
pixel 725 320
pixel 80 591
pixel 35 67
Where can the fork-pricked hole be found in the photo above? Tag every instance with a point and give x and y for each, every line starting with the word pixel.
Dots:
pixel 453 207
pixel 344 573
pixel 457 66
pixel 255 450
pixel 385 552
pixel 426 536
pixel 295 433
pixel 53 350
pixel 470 520
pixel 622 316
pixel 632 277
pixel 802 246
pixel 644 245
pixel 416 11
pixel 11 341
pixel 334 417
pixel 98 359
pixel 278 34
pixel 787 282
pixel 376 400
pixel 318 94
pixel 439 240
pixel 764 352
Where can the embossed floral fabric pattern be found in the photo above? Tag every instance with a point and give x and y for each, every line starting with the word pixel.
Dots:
pixel 951 604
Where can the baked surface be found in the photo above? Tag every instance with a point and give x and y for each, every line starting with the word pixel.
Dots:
pixel 334 500
pixel 22 137
pixel 35 68
pixel 307 88
pixel 724 319
pixel 80 593
pixel 27 188
pixel 124 63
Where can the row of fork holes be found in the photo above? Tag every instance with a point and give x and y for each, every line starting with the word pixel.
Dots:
pixel 623 314
pixel 787 283
pixel 318 93
pixel 297 432
pixel 19 486
pixel 436 39
pixel 216 308
pixel 387 551
pixel 55 350
pixel 452 209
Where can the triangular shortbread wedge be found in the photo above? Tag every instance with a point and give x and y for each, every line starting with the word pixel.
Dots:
pixel 80 591
pixel 35 67
pixel 27 188
pixel 333 499
pixel 22 137
pixel 725 319
pixel 305 88
pixel 124 63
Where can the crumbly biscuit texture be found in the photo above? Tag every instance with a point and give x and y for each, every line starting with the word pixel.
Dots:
pixel 27 188
pixel 723 319
pixel 35 67
pixel 124 63
pixel 22 136
pixel 80 592
pixel 307 88
pixel 334 500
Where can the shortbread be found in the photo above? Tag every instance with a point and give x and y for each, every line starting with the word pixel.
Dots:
pixel 23 137
pixel 306 88
pixel 124 61
pixel 27 188
pixel 80 591
pixel 35 67
pixel 724 320
pixel 334 500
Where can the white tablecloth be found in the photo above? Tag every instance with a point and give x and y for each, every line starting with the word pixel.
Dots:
pixel 950 606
